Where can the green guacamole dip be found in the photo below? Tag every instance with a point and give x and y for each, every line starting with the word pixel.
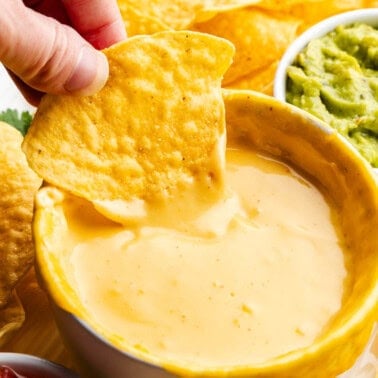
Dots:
pixel 336 79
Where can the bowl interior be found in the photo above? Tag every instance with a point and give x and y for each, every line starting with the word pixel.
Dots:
pixel 294 136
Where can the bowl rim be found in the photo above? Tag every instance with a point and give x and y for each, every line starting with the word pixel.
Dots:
pixel 364 15
pixel 17 360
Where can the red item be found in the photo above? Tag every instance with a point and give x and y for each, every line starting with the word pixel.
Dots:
pixel 7 372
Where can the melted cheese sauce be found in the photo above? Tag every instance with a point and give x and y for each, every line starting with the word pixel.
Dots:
pixel 265 282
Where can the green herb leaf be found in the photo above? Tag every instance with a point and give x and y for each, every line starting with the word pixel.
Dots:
pixel 20 121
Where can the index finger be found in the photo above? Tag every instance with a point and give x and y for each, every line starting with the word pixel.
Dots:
pixel 98 21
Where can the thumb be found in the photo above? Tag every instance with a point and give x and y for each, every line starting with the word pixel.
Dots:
pixel 47 55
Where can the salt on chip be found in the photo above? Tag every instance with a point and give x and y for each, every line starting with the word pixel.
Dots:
pixel 18 187
pixel 260 37
pixel 152 130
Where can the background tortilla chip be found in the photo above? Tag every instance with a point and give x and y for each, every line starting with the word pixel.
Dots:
pixel 11 319
pixel 18 187
pixel 259 40
pixel 176 14
pixel 212 7
pixel 312 13
pixel 254 32
pixel 38 334
pixel 261 80
pixel 285 6
pixel 137 23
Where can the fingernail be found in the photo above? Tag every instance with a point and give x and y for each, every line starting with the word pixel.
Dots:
pixel 90 74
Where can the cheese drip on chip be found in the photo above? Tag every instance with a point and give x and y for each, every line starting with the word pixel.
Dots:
pixel 18 187
pixel 152 137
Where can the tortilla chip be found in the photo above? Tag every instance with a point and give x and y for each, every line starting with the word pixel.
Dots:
pixel 11 319
pixel 225 5
pixel 176 14
pixel 279 5
pixel 260 80
pixel 150 130
pixel 180 14
pixel 18 187
pixel 260 37
pixel 137 23
pixel 311 14
pixel 38 335
pixel 212 7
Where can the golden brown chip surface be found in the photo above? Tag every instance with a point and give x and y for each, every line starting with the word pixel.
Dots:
pixel 18 187
pixel 137 23
pixel 313 11
pixel 11 319
pixel 150 130
pixel 176 14
pixel 180 14
pixel 260 80
pixel 260 37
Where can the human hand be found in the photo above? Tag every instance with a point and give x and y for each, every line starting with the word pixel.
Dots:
pixel 50 45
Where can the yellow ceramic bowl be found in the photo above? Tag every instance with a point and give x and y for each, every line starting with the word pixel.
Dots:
pixel 291 135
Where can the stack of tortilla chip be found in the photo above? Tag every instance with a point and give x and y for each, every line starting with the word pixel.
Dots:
pixel 261 30
pixel 18 187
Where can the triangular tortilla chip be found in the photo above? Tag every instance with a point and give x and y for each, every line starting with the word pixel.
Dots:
pixel 157 127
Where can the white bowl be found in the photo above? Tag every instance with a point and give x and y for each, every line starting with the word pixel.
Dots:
pixel 34 367
pixel 366 15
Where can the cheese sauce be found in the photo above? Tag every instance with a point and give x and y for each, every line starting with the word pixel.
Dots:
pixel 261 282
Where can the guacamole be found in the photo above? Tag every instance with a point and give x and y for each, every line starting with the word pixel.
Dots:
pixel 336 79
